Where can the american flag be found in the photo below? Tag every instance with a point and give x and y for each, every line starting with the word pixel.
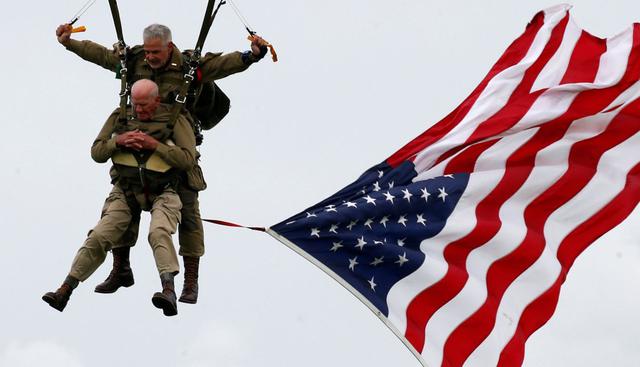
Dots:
pixel 461 240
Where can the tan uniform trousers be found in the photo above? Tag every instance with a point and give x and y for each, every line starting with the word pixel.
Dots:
pixel 190 230
pixel 115 219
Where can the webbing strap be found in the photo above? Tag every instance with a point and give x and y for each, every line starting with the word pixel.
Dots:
pixel 229 224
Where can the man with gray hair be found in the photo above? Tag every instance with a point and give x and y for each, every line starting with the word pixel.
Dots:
pixel 148 158
pixel 160 60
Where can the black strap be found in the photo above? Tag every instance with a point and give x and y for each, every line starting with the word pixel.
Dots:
pixel 116 19
pixel 122 54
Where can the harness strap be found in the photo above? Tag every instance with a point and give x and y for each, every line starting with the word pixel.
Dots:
pixel 121 47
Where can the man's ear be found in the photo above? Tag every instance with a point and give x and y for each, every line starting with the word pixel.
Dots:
pixel 170 45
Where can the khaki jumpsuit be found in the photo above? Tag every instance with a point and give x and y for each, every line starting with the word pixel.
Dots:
pixel 164 203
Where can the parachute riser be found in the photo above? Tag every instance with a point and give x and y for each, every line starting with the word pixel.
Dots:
pixel 121 47
pixel 194 61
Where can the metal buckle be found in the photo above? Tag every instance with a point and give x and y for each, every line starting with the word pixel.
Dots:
pixel 181 100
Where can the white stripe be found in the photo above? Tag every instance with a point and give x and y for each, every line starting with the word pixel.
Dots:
pixel 608 182
pixel 616 58
pixel 492 99
pixel 555 69
pixel 460 223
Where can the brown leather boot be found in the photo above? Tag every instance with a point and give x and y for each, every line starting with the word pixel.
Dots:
pixel 166 300
pixel 190 287
pixel 121 274
pixel 60 297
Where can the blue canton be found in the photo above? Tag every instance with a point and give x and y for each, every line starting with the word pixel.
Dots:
pixel 370 232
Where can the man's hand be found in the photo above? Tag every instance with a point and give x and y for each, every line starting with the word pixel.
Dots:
pixel 258 46
pixel 136 140
pixel 147 142
pixel 63 32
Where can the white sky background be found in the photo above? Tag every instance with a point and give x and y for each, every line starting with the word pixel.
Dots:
pixel 356 81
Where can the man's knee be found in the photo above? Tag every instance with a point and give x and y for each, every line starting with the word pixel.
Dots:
pixel 159 235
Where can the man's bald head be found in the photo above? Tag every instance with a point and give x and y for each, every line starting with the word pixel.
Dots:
pixel 145 98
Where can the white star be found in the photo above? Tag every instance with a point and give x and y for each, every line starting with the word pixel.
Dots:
pixel 350 204
pixel 425 194
pixel 370 200
pixel 315 232
pixel 377 261
pixel 352 263
pixel 353 223
pixel 336 246
pixel 390 185
pixel 378 242
pixel 402 259
pixel 403 220
pixel 407 195
pixel 380 174
pixel 363 191
pixel 443 194
pixel 330 208
pixel 401 241
pixel 368 222
pixel 333 228
pixel 376 186
pixel 309 215
pixel 389 197
pixel 384 221
pixel 361 243
pixel 449 176
pixel 421 219
pixel 372 284
pixel 290 223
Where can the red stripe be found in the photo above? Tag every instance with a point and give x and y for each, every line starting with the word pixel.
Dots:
pixel 583 160
pixel 465 161
pixel 512 56
pixel 582 66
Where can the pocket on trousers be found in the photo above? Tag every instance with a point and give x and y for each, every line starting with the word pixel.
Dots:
pixel 195 179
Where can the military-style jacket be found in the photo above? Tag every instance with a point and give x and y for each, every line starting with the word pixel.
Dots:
pixel 169 78
pixel 181 155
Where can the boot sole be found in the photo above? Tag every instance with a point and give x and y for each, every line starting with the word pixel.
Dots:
pixel 189 301
pixel 51 301
pixel 168 309
pixel 109 291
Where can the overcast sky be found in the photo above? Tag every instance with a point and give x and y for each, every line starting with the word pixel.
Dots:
pixel 356 80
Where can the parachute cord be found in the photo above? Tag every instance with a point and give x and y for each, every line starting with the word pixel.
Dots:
pixel 82 10
pixel 241 18
pixel 252 33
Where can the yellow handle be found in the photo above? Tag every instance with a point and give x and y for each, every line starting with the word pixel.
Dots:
pixel 79 29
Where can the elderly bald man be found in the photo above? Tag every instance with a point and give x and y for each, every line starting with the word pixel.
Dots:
pixel 148 158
